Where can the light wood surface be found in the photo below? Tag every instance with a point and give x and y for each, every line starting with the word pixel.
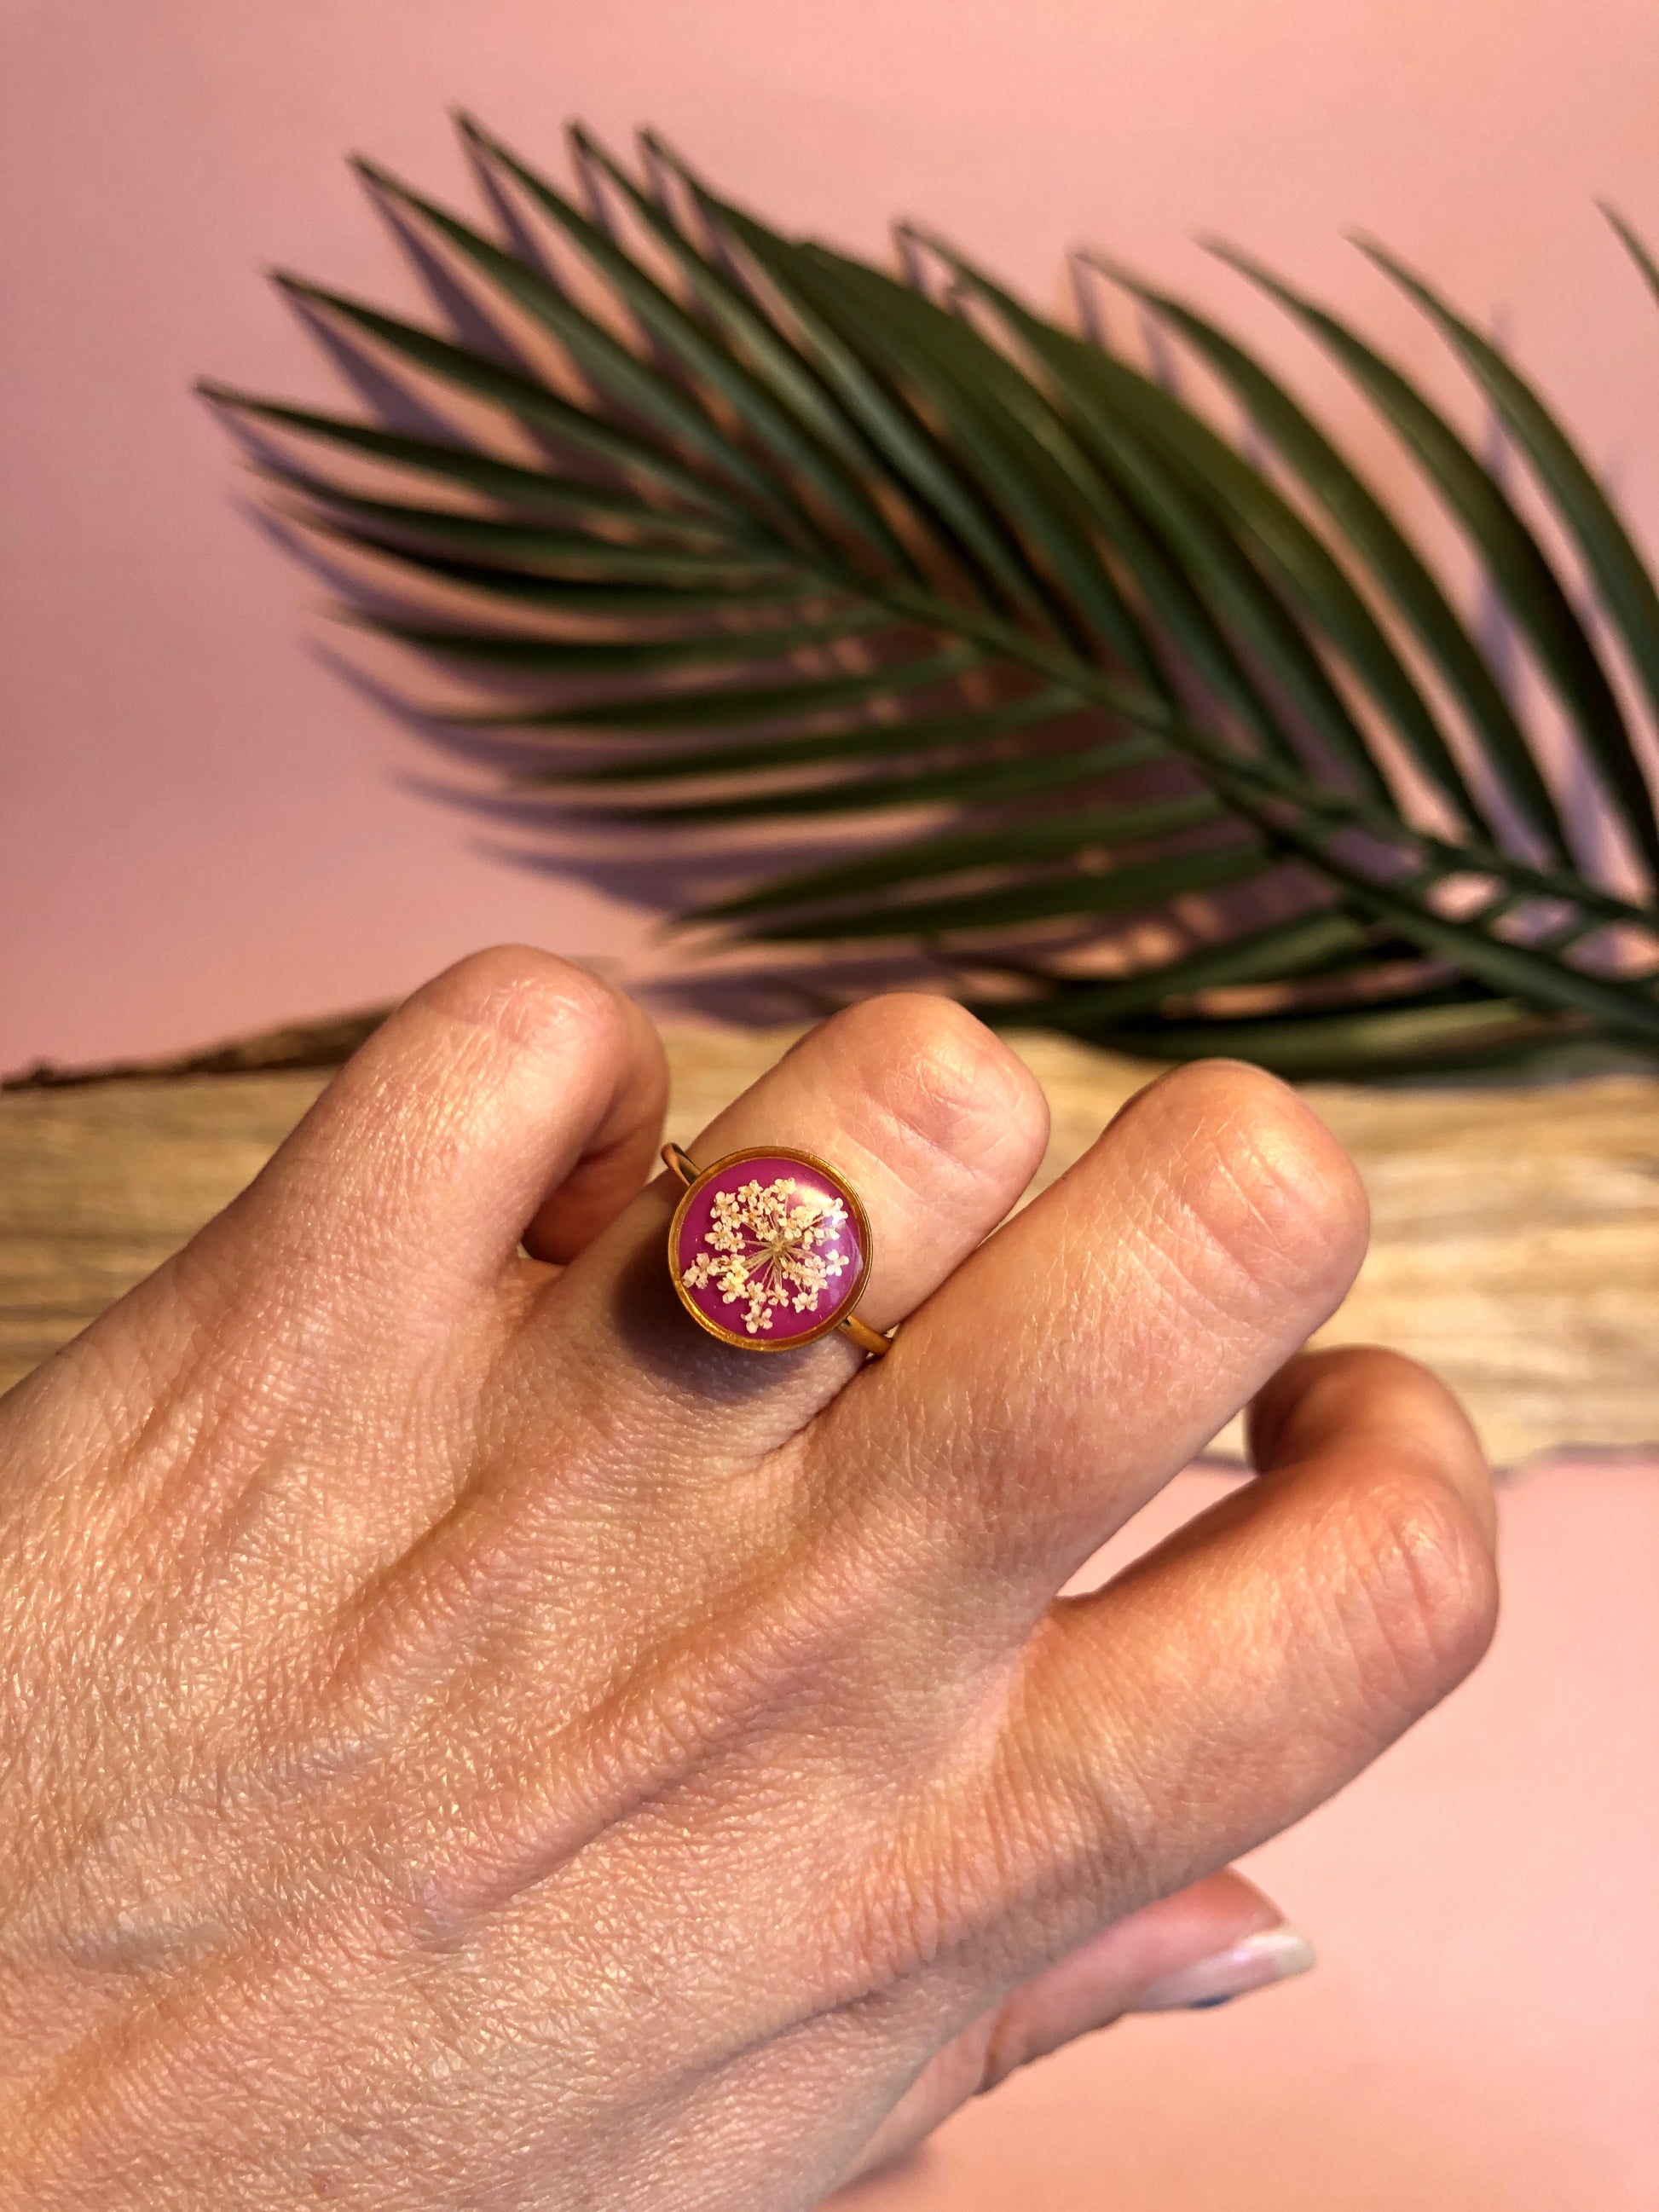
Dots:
pixel 1516 1244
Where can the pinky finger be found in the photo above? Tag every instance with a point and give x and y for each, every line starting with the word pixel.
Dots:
pixel 1216 1940
pixel 1253 1662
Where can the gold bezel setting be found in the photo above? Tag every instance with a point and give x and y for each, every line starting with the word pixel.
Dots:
pixel 845 1307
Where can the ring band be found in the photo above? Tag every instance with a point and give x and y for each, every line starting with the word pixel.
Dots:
pixel 770 1250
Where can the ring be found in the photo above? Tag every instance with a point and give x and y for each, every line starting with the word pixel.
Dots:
pixel 770 1250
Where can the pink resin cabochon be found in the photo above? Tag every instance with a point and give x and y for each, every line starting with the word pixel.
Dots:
pixel 776 1247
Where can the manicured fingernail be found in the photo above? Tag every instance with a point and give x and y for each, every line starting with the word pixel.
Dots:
pixel 1272 1955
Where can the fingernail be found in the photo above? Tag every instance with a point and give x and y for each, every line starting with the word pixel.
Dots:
pixel 1272 1955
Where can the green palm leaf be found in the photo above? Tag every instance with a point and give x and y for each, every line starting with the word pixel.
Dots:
pixel 1618 570
pixel 925 735
pixel 1536 596
pixel 852 550
pixel 961 786
pixel 1398 575
pixel 1635 247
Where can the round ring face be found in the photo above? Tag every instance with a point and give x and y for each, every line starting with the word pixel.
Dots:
pixel 769 1249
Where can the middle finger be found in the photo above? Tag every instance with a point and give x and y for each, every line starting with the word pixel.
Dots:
pixel 1099 1341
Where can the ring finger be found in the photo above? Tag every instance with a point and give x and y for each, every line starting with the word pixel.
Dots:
pixel 932 1121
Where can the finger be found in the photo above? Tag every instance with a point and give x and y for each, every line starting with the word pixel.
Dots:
pixel 1218 1939
pixel 932 1120
pixel 515 1088
pixel 1102 1337
pixel 1317 1403
pixel 619 1158
pixel 1246 1668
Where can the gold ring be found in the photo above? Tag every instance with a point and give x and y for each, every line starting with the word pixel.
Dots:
pixel 770 1250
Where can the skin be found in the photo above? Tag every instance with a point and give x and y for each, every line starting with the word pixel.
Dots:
pixel 468 1740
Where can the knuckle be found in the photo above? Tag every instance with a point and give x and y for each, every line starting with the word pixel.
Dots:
pixel 944 1080
pixel 530 1000
pixel 1262 1179
pixel 1419 1599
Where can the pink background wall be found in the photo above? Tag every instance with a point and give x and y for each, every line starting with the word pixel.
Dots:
pixel 204 828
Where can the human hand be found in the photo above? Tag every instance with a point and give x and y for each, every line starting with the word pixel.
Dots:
pixel 467 1739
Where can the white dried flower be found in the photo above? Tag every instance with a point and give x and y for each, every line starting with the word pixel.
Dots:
pixel 763 1249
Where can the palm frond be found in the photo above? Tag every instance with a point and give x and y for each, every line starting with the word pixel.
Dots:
pixel 760 533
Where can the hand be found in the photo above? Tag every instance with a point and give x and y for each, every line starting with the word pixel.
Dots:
pixel 467 1739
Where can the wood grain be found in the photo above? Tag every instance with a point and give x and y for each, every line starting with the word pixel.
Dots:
pixel 1515 1243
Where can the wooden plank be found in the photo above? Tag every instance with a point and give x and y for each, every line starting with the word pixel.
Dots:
pixel 1515 1243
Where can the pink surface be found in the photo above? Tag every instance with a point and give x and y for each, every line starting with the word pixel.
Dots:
pixel 1482 2032
pixel 205 828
